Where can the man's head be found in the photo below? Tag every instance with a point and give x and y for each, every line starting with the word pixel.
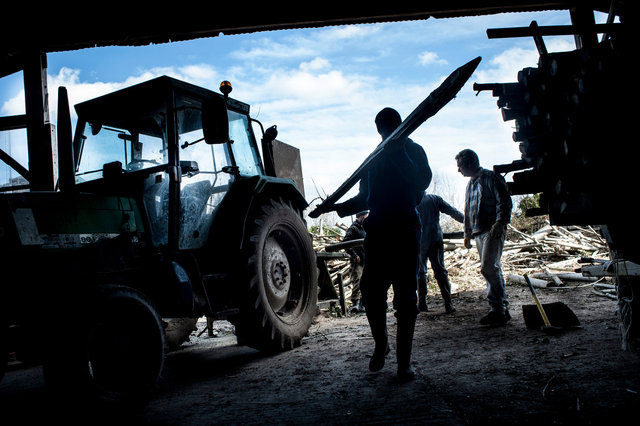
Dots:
pixel 468 163
pixel 360 216
pixel 387 120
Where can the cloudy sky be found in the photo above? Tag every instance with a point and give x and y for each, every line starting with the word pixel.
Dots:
pixel 322 87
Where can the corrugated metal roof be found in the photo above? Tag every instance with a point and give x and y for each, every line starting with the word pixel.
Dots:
pixel 71 28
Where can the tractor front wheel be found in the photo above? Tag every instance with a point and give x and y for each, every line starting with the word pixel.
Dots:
pixel 281 280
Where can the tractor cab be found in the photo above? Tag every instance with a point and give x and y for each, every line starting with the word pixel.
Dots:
pixel 173 146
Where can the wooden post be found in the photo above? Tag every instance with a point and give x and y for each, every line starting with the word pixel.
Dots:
pixel 39 131
pixel 343 303
pixel 210 326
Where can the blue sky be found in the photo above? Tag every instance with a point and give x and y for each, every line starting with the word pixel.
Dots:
pixel 322 87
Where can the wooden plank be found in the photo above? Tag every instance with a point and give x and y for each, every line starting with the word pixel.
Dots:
pixel 427 108
pixel 328 255
pixel 344 245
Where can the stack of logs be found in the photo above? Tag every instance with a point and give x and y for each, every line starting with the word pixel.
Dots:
pixel 551 257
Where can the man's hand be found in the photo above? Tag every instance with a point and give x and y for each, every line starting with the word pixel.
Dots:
pixel 497 230
pixel 320 209
pixel 467 243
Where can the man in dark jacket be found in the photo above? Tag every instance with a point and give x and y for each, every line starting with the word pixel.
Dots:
pixel 391 190
pixel 486 215
pixel 432 248
pixel 356 232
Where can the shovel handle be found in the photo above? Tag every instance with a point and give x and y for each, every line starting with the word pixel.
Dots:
pixel 535 298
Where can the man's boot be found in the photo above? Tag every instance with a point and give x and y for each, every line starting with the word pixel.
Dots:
pixel 404 344
pixel 378 324
pixel 448 307
pixel 422 294
pixel 445 291
pixel 448 303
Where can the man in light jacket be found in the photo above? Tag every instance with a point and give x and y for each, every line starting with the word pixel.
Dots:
pixel 486 215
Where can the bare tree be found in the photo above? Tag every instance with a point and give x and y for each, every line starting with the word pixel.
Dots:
pixel 443 186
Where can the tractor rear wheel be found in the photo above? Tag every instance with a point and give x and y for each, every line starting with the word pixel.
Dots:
pixel 281 280
pixel 117 356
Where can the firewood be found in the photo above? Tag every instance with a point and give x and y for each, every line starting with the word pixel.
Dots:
pixel 518 279
pixel 549 256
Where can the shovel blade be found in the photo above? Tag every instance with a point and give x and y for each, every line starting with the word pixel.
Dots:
pixel 559 314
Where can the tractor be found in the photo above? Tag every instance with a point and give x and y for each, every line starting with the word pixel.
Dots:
pixel 163 209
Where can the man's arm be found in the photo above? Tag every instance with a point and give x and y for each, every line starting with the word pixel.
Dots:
pixel 503 206
pixel 503 200
pixel 356 204
pixel 449 210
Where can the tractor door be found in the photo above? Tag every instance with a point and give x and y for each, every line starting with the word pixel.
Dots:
pixel 205 179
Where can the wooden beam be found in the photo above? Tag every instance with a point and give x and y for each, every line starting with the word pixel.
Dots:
pixel 550 30
pixel 13 122
pixel 40 148
pixel 11 162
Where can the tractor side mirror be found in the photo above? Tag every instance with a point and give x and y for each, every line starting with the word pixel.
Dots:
pixel 215 121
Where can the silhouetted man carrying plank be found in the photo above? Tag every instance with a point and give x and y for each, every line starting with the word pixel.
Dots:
pixel 392 180
pixel 391 190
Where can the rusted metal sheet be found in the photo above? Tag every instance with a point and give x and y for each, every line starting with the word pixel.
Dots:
pixel 287 163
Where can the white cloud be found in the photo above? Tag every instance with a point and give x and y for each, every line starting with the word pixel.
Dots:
pixel 504 67
pixel 14 105
pixel 428 58
pixel 298 44
pixel 266 47
pixel 315 65
pixel 349 32
pixel 202 74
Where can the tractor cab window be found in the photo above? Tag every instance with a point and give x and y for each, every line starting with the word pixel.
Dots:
pixel 104 144
pixel 244 147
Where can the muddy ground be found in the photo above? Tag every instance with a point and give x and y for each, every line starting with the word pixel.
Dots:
pixel 467 374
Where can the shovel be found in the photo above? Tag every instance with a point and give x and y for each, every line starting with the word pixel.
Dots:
pixel 551 318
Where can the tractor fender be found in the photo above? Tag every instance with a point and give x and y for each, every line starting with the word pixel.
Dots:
pixel 268 188
pixel 227 235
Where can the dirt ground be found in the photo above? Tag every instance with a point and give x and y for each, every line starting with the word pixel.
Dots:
pixel 467 374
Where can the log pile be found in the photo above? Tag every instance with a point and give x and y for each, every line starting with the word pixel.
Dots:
pixel 550 257
pixel 336 266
